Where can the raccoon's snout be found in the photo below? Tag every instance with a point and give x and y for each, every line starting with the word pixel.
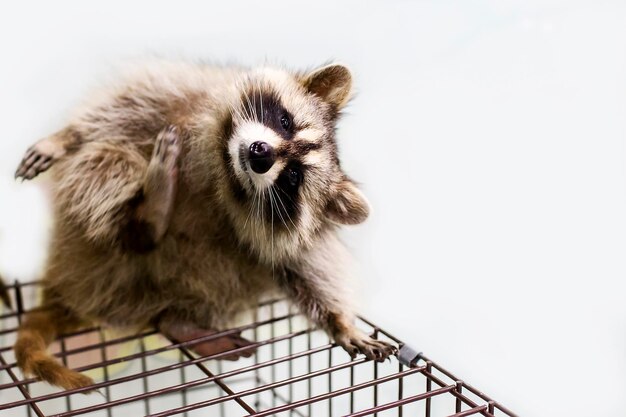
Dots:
pixel 261 157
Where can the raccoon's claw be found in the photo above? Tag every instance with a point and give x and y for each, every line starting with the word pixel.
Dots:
pixel 34 163
pixel 40 157
pixel 358 342
pixel 45 152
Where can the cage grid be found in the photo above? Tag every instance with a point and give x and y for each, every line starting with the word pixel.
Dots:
pixel 296 371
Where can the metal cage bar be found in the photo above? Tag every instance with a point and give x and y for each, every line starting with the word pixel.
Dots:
pixel 296 371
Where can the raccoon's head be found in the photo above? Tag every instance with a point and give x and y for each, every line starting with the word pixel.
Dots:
pixel 282 156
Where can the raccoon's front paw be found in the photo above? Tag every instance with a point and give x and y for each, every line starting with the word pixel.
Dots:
pixel 39 158
pixel 355 342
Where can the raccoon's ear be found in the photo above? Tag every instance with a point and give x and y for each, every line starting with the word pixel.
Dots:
pixel 332 83
pixel 348 206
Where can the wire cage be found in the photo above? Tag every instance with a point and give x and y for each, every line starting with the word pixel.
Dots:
pixel 296 371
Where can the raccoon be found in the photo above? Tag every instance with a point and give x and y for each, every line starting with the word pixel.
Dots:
pixel 186 192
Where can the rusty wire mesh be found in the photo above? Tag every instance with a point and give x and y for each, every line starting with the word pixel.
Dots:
pixel 296 371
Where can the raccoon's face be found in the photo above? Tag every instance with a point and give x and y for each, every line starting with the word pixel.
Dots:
pixel 283 159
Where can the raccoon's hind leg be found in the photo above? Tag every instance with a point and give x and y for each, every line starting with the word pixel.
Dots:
pixel 159 188
pixel 38 330
pixel 182 331
pixel 40 156
pixel 116 195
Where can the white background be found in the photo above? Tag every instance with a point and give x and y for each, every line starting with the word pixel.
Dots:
pixel 489 136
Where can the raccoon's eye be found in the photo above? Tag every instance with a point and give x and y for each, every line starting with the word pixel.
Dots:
pixel 285 121
pixel 294 176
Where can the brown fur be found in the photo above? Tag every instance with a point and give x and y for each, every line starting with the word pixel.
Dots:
pixel 157 225
pixel 39 329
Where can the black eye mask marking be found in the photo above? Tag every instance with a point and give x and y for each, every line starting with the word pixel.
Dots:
pixel 297 149
pixel 283 208
pixel 266 108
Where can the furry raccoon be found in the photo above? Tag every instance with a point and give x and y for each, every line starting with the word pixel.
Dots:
pixel 186 192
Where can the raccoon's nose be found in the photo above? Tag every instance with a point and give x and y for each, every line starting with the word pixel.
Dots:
pixel 261 157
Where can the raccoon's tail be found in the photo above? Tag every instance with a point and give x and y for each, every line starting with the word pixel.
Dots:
pixel 36 332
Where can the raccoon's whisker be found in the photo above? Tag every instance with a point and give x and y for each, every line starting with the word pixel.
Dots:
pixel 277 208
pixel 249 108
pixel 242 107
pixel 266 195
pixel 285 194
pixel 261 216
pixel 235 111
pixel 256 116
pixel 285 208
pixel 277 197
pixel 289 218
pixel 258 209
pixel 272 256
pixel 238 107
pixel 243 110
pixel 292 231
pixel 245 225
pixel 254 104
pixel 261 101
pixel 251 210
pixel 283 204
